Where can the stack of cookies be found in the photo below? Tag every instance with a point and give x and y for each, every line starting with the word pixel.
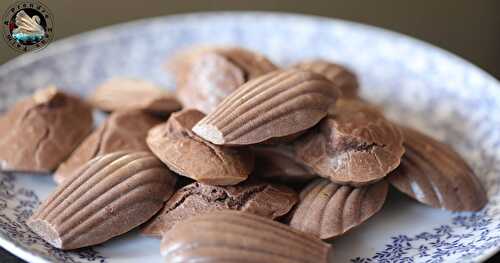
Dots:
pixel 244 162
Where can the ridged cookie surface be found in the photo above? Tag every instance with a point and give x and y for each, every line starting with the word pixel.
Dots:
pixel 274 105
pixel 206 75
pixel 338 74
pixel 105 198
pixel 123 130
pixel 434 174
pixel 229 236
pixel 327 209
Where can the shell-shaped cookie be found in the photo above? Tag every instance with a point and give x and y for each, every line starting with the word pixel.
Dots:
pixel 434 174
pixel 122 93
pixel 40 132
pixel 356 145
pixel 344 78
pixel 274 105
pixel 229 236
pixel 327 209
pixel 206 75
pixel 106 197
pixel 122 131
pixel 188 155
pixel 252 196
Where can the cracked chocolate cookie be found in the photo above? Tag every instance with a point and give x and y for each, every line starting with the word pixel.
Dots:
pixel 354 146
pixel 41 131
pixel 260 198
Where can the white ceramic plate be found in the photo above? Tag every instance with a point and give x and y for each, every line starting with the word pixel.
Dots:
pixel 417 84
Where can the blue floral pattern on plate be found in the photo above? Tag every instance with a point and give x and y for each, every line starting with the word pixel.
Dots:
pixel 467 237
pixel 416 84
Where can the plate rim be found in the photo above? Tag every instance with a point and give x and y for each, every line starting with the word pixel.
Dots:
pixel 99 34
pixel 20 252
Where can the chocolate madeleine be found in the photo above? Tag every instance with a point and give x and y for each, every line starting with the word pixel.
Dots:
pixel 432 173
pixel 230 236
pixel 133 94
pixel 122 131
pixel 260 198
pixel 327 209
pixel 354 146
pixel 277 163
pixel 340 75
pixel 205 76
pixel 275 105
pixel 41 131
pixel 108 196
pixel 188 155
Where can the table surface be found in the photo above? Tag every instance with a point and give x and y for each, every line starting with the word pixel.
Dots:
pixel 443 23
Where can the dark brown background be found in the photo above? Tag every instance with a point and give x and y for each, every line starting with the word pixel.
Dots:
pixel 470 29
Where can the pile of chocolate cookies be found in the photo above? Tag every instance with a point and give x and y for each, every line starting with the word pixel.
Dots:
pixel 245 162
